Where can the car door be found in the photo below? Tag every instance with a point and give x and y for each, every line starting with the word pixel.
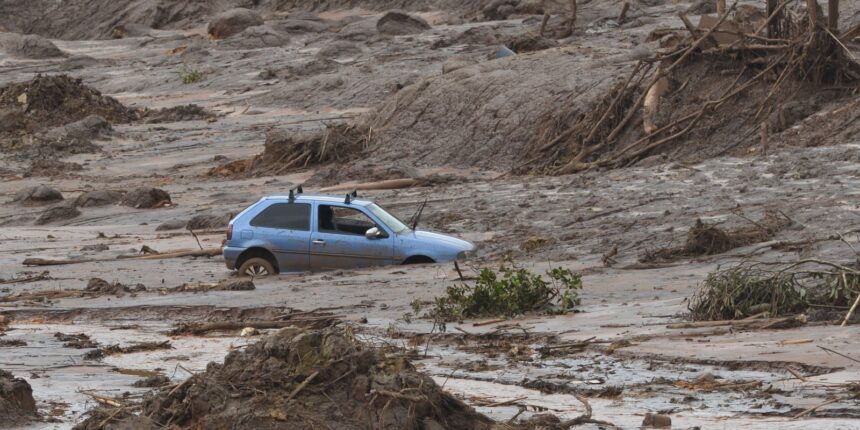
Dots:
pixel 286 229
pixel 338 239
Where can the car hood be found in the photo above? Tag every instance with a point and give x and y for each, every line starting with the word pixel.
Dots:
pixel 438 238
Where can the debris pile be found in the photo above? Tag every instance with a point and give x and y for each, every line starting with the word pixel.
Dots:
pixel 302 380
pixel 100 286
pixel 289 149
pixel 751 288
pixel 709 239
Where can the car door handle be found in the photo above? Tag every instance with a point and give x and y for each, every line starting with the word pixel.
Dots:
pixel 318 242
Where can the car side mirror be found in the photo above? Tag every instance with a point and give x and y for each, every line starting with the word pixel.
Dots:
pixel 373 233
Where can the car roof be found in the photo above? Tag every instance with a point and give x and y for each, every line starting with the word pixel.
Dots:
pixel 320 198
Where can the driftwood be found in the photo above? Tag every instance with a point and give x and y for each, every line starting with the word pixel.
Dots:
pixel 783 322
pixel 212 252
pixel 196 329
pixel 388 184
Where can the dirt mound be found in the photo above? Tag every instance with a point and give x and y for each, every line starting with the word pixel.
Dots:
pixel 50 116
pixel 310 379
pixel 51 168
pixel 98 198
pixel 291 149
pixel 397 23
pixel 28 46
pixel 232 22
pixel 17 405
pixel 145 198
pixel 190 112
pixel 58 213
pixel 38 195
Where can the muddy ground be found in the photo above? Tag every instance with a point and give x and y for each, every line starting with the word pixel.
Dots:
pixel 464 133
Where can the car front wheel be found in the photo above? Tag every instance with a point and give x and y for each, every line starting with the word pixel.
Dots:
pixel 257 268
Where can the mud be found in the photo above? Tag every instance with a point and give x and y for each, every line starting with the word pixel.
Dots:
pixel 16 400
pixel 435 106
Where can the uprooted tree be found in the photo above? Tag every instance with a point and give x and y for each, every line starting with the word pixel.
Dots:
pixel 729 75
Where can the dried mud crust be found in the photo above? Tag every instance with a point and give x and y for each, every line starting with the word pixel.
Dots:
pixel 304 380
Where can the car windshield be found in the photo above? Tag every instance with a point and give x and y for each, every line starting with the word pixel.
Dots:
pixel 389 220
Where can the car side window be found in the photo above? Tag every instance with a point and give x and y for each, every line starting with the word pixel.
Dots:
pixel 287 216
pixel 337 219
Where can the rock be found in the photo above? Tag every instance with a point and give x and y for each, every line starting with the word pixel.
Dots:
pixel 260 36
pixel 91 127
pixel 58 213
pixel 498 10
pixel 29 46
pixel 40 194
pixel 232 22
pixel 16 400
pixel 656 421
pixel 206 222
pixel 145 198
pixel 396 23
pixel 457 62
pixel 98 198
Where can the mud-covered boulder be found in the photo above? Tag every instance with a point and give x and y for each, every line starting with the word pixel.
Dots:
pixel 207 222
pixel 91 127
pixel 233 22
pixel 258 36
pixel 58 213
pixel 397 22
pixel 17 405
pixel 145 198
pixel 98 198
pixel 28 46
pixel 38 195
pixel 499 9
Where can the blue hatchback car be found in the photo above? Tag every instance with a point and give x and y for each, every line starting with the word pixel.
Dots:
pixel 306 232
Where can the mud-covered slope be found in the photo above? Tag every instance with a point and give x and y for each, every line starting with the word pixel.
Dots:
pixel 484 115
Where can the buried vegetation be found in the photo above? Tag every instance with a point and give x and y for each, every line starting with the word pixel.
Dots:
pixel 509 292
pixel 775 289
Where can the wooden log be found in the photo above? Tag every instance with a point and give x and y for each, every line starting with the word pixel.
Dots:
pixel 812 10
pixel 625 7
pixel 211 252
pixel 388 184
pixel 833 15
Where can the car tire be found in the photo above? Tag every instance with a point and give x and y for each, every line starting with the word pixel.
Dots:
pixel 257 267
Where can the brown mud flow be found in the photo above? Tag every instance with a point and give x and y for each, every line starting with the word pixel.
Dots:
pixel 663 196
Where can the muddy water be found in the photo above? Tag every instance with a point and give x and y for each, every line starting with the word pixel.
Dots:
pixel 60 376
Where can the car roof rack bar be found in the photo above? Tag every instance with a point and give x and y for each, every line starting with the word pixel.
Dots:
pixel 347 200
pixel 292 196
pixel 299 190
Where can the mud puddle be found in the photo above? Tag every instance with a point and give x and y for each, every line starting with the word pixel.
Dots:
pixel 63 379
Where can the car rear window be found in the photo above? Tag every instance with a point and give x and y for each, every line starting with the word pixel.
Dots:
pixel 287 216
